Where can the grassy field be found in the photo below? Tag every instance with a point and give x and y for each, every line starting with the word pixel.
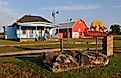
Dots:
pixel 31 66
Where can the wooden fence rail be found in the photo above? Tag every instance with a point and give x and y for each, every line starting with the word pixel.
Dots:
pixel 28 52
pixel 32 52
pixel 54 43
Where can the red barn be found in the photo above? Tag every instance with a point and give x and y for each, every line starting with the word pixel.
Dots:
pixel 73 29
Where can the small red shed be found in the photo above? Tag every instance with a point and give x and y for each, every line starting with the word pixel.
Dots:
pixel 74 29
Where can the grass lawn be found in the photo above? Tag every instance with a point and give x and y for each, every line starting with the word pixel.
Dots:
pixel 31 66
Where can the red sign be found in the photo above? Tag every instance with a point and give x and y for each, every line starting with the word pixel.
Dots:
pixel 60 35
pixel 92 33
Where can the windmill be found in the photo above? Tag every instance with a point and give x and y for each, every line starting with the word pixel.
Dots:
pixel 54 13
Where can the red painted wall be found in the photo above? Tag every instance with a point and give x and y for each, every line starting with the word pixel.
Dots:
pixel 64 32
pixel 79 25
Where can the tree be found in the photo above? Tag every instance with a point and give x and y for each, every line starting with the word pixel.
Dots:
pixel 115 29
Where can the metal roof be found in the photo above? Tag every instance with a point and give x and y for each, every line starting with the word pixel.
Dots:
pixel 66 25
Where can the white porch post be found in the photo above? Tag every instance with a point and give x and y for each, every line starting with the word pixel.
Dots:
pixel 28 33
pixel 43 32
pixel 20 32
pixel 5 30
pixel 36 35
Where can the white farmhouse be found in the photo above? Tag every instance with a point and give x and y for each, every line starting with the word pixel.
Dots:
pixel 28 28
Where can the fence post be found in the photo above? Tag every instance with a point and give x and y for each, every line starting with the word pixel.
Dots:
pixel 96 44
pixel 108 45
pixel 61 45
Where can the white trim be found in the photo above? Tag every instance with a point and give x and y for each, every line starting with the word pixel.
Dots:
pixel 75 34
pixel 36 24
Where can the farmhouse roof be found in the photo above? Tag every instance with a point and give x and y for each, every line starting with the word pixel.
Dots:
pixel 30 18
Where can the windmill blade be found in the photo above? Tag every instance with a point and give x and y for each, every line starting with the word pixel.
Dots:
pixel 70 19
pixel 57 12
pixel 53 14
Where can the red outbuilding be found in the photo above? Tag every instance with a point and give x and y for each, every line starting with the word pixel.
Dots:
pixel 74 29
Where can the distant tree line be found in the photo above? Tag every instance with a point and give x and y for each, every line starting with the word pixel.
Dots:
pixel 115 29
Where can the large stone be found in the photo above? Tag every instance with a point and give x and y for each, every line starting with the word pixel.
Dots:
pixel 63 62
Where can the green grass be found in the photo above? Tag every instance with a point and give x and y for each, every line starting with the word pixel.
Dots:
pixel 117 37
pixel 31 65
pixel 77 40
pixel 117 46
pixel 2 42
pixel 34 63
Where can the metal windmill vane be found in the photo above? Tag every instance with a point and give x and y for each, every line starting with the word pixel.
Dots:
pixel 54 13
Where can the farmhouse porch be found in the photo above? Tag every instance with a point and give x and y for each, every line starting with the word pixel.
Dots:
pixel 28 32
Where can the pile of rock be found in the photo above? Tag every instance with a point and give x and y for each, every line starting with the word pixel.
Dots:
pixel 63 61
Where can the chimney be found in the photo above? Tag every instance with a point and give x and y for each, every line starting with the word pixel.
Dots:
pixel 29 14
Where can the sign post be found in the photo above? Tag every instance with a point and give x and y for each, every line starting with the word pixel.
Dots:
pixel 96 44
pixel 60 36
pixel 61 44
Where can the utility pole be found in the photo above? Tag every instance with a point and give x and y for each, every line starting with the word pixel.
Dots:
pixel 68 22
pixel 67 27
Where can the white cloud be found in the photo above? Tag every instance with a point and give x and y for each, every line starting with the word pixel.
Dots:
pixel 74 7
pixel 7 15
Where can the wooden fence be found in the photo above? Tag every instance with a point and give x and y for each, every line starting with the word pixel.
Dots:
pixel 105 47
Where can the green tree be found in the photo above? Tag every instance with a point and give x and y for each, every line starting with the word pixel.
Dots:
pixel 115 29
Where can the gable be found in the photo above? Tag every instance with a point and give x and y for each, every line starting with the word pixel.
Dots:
pixel 30 18
pixel 79 26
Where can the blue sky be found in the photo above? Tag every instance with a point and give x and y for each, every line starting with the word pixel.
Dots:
pixel 108 11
